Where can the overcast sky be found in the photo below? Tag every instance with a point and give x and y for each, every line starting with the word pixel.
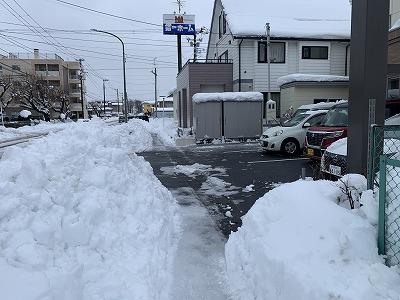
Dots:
pixel 102 53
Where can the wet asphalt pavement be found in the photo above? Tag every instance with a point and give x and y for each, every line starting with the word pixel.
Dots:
pixel 245 164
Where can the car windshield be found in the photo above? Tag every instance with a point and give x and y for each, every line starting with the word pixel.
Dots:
pixel 336 117
pixel 296 120
pixel 299 111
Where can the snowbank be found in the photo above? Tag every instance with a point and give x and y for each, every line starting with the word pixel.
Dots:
pixel 229 96
pixel 85 218
pixel 310 78
pixel 322 19
pixel 25 114
pixel 298 243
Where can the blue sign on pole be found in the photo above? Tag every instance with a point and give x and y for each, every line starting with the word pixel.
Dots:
pixel 180 29
pixel 179 25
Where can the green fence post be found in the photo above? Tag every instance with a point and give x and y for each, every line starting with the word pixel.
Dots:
pixel 382 206
pixel 371 157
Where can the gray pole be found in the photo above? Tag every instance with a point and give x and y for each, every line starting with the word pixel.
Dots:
pixel 82 93
pixel 368 76
pixel 117 101
pixel 155 87
pixel 104 96
pixel 269 59
pixel 124 70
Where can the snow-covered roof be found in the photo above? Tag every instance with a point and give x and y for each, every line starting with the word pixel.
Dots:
pixel 318 19
pixel 228 97
pixel 310 78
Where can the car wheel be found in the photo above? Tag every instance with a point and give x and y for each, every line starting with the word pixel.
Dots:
pixel 290 147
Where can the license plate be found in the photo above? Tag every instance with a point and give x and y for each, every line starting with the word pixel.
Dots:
pixel 335 170
pixel 310 152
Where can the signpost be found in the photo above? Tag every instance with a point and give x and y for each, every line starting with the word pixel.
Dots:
pixel 179 24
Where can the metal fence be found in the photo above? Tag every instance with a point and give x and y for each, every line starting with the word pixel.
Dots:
pixel 384 175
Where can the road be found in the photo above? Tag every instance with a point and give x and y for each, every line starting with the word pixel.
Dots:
pixel 245 164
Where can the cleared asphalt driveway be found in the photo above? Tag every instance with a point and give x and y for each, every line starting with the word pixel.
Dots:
pixel 244 164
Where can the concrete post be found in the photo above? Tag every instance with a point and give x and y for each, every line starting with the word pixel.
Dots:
pixel 368 75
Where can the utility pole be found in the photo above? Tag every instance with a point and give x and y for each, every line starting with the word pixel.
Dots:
pixel 268 28
pixel 117 101
pixel 82 92
pixel 155 85
pixel 179 39
pixel 104 95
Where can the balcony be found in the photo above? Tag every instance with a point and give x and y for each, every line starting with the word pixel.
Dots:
pixel 76 107
pixel 47 73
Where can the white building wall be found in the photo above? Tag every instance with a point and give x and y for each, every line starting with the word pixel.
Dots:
pixel 314 66
pixel 338 58
pixel 297 96
pixel 394 11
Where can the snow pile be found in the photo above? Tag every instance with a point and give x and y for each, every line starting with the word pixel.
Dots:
pixel 391 147
pixel 310 78
pixel 339 147
pixel 25 114
pixel 298 243
pixel 322 19
pixel 193 170
pixel 228 97
pixel 248 189
pixel 215 186
pixel 79 220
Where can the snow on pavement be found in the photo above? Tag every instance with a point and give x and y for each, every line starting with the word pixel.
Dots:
pixel 296 242
pixel 79 221
pixel 199 268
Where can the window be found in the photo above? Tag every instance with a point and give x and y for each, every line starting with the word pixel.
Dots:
pixel 315 52
pixel 393 83
pixel 53 67
pixel 317 120
pixel 221 24
pixel 223 57
pixel 1 70
pixel 16 68
pixel 316 101
pixel 41 68
pixel 277 56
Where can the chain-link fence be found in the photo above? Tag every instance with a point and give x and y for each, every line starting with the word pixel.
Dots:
pixel 383 140
pixel 384 175
pixel 389 210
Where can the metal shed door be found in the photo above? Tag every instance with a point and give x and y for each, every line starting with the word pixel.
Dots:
pixel 207 118
pixel 243 119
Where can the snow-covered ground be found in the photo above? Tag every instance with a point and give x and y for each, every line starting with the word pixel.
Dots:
pixel 297 242
pixel 83 217
pixel 26 131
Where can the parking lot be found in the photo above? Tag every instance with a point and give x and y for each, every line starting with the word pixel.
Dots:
pixel 239 165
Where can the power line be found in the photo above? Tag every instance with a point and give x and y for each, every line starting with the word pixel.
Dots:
pixel 107 14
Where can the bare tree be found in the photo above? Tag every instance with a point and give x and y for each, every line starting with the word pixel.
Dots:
pixel 36 95
pixel 61 102
pixel 95 107
pixel 5 86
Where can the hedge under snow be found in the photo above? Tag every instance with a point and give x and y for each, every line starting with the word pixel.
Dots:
pixel 297 243
pixel 83 217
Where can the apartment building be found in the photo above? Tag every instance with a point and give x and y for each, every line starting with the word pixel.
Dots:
pixel 50 68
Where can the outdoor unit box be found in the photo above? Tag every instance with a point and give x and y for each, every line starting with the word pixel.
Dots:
pixel 230 115
pixel 207 120
pixel 270 111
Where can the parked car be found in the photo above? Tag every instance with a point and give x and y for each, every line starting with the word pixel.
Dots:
pixel 289 138
pixel 313 107
pixel 332 128
pixel 334 160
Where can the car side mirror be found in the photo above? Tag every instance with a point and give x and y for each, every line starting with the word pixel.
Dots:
pixel 306 125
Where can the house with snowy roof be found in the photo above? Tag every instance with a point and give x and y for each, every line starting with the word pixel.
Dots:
pixel 306 38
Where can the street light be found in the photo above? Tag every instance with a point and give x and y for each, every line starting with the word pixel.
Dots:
pixel 124 69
